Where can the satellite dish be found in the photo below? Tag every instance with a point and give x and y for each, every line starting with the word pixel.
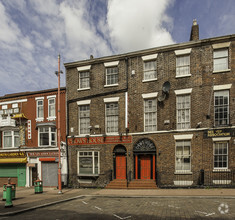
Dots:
pixel 166 87
pixel 162 97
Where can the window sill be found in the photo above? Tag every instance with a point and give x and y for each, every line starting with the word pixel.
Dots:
pixel 182 76
pixel 221 170
pixel 39 119
pixel 183 172
pixel 82 89
pixel 221 71
pixel 149 80
pixel 87 175
pixel 111 85
pixel 51 118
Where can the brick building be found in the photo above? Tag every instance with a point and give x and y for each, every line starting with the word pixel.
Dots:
pixel 162 116
pixel 28 137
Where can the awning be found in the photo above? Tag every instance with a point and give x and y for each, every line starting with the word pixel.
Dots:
pixel 13 160
pixel 50 124
pixel 47 159
pixel 19 116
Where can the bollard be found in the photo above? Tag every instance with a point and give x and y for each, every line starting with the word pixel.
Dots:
pixel 8 203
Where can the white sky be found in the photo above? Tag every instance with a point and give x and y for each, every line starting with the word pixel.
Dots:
pixel 34 32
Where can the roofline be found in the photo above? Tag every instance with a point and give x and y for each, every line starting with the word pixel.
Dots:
pixel 14 95
pixel 149 51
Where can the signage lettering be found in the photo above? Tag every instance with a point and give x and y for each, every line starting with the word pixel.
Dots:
pixel 226 132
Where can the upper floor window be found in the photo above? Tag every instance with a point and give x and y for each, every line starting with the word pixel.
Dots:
pixel 84 80
pixel 150 70
pixel 40 109
pixel 150 67
pixel 150 115
pixel 47 136
pixel 183 62
pixel 84 119
pixel 84 77
pixel 11 139
pixel 221 107
pixel 183 111
pixel 51 108
pixel 111 74
pixel 220 57
pixel 111 117
pixel 220 155
pixel 183 65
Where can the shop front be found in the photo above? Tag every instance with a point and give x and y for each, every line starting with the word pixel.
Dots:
pixel 13 165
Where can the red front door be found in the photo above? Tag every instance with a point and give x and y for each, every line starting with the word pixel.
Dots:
pixel 120 167
pixel 145 167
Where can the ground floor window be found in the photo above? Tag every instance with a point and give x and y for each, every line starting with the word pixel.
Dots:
pixel 47 136
pixel 11 139
pixel 88 162
pixel 183 156
pixel 220 155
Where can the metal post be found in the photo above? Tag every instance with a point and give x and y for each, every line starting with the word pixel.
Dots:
pixel 58 127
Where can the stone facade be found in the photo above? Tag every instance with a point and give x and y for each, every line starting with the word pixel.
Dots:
pixel 201 83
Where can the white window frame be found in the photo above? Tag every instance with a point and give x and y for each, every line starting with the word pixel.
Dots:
pixel 152 112
pixel 108 65
pixel 12 135
pixel 51 117
pixel 220 47
pixel 179 55
pixel 113 121
pixel 87 118
pixel 93 163
pixel 146 59
pixel 49 134
pixel 41 99
pixel 84 78
pixel 183 156
pixel 220 155
pixel 221 107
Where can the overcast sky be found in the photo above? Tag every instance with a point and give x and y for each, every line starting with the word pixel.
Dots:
pixel 34 32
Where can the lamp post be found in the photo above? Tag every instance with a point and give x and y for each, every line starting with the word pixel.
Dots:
pixel 58 126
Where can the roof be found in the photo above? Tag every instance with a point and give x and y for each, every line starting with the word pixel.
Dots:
pixel 149 51
pixel 13 95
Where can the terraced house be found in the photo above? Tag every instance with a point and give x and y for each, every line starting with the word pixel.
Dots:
pixel 163 116
pixel 28 137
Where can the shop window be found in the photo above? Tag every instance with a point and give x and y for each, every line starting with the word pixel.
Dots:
pixel 47 136
pixel 183 156
pixel 220 155
pixel 11 139
pixel 88 163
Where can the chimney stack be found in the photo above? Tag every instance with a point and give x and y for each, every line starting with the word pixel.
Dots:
pixel 194 31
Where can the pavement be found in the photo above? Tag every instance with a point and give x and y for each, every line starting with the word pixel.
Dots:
pixel 27 200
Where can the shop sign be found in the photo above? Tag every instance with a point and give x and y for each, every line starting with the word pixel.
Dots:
pixel 12 155
pixel 100 140
pixel 43 154
pixel 225 132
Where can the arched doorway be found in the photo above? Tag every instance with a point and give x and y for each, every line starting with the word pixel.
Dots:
pixel 144 159
pixel 119 162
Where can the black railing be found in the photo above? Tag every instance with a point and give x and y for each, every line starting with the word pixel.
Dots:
pixel 201 178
